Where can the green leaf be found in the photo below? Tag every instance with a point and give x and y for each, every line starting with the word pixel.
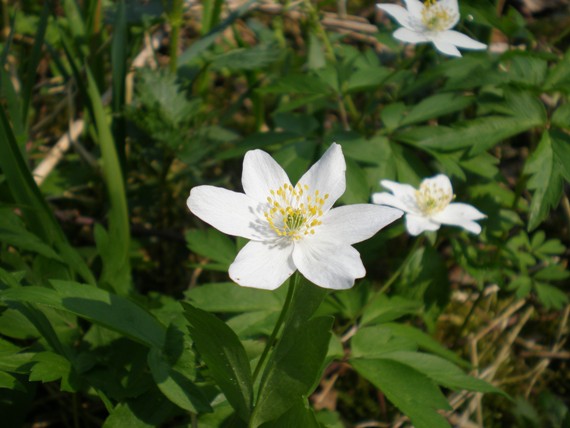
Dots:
pixel 545 181
pixel 229 297
pixel 296 361
pixel 425 342
pixel 296 84
pixel 383 309
pixel 96 305
pixel 441 371
pixel 224 355
pixel 550 296
pixel 300 415
pixel 561 116
pixel 294 368
pixel 255 58
pixel 559 76
pixel 561 148
pixel 49 366
pixel 7 381
pixel 35 210
pixel 436 106
pixel 13 232
pixel 176 386
pixel 212 244
pixel 412 392
pixel 372 342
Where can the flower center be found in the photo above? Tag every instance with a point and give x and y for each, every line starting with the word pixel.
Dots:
pixel 294 212
pixel 431 198
pixel 436 17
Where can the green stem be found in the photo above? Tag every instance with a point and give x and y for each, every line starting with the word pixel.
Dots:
pixel 290 292
pixel 175 18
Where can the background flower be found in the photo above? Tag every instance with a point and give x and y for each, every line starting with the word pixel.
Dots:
pixel 431 21
pixel 292 227
pixel 428 207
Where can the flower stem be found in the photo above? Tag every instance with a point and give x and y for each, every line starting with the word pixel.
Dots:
pixel 290 292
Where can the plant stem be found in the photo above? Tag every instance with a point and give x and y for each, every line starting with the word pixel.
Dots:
pixel 175 18
pixel 290 293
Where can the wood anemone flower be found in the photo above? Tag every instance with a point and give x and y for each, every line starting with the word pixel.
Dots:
pixel 292 227
pixel 431 21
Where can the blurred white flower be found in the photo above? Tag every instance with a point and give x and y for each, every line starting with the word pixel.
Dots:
pixel 431 21
pixel 430 206
pixel 292 227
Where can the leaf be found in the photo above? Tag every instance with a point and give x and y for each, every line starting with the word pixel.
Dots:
pixel 441 371
pixel 550 296
pixel 296 361
pixel 13 232
pixel 255 58
pixel 96 305
pixel 436 106
pixel 224 355
pixel 229 297
pixel 561 116
pixel 49 366
pixel 383 309
pixel 372 342
pixel 296 84
pixel 212 244
pixel 412 392
pixel 7 381
pixel 300 415
pixel 545 181
pixel 294 367
pixel 176 386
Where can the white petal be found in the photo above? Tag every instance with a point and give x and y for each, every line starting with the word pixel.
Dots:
pixel 261 174
pixel 446 48
pixel 327 265
pixel 230 212
pixel 350 224
pixel 404 192
pixel 416 224
pixel 410 36
pixel 462 215
pixel 397 12
pixel 327 176
pixel 439 181
pixel 458 39
pixel 415 8
pixel 264 265
pixel 392 201
pixel 453 8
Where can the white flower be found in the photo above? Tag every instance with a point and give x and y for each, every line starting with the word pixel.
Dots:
pixel 431 21
pixel 292 227
pixel 428 207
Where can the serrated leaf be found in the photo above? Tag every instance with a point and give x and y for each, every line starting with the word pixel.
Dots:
pixel 49 366
pixel 436 106
pixel 383 309
pixel 224 355
pixel 412 392
pixel 372 342
pixel 545 181
pixel 550 296
pixel 8 381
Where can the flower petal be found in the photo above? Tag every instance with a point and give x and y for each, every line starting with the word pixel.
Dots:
pixel 415 8
pixel 452 8
pixel 446 48
pixel 416 224
pixel 261 174
pixel 458 39
pixel 440 182
pixel 327 176
pixel 404 192
pixel 397 12
pixel 350 224
pixel 264 265
pixel 230 212
pixel 410 36
pixel 327 265
pixel 390 200
pixel 462 215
